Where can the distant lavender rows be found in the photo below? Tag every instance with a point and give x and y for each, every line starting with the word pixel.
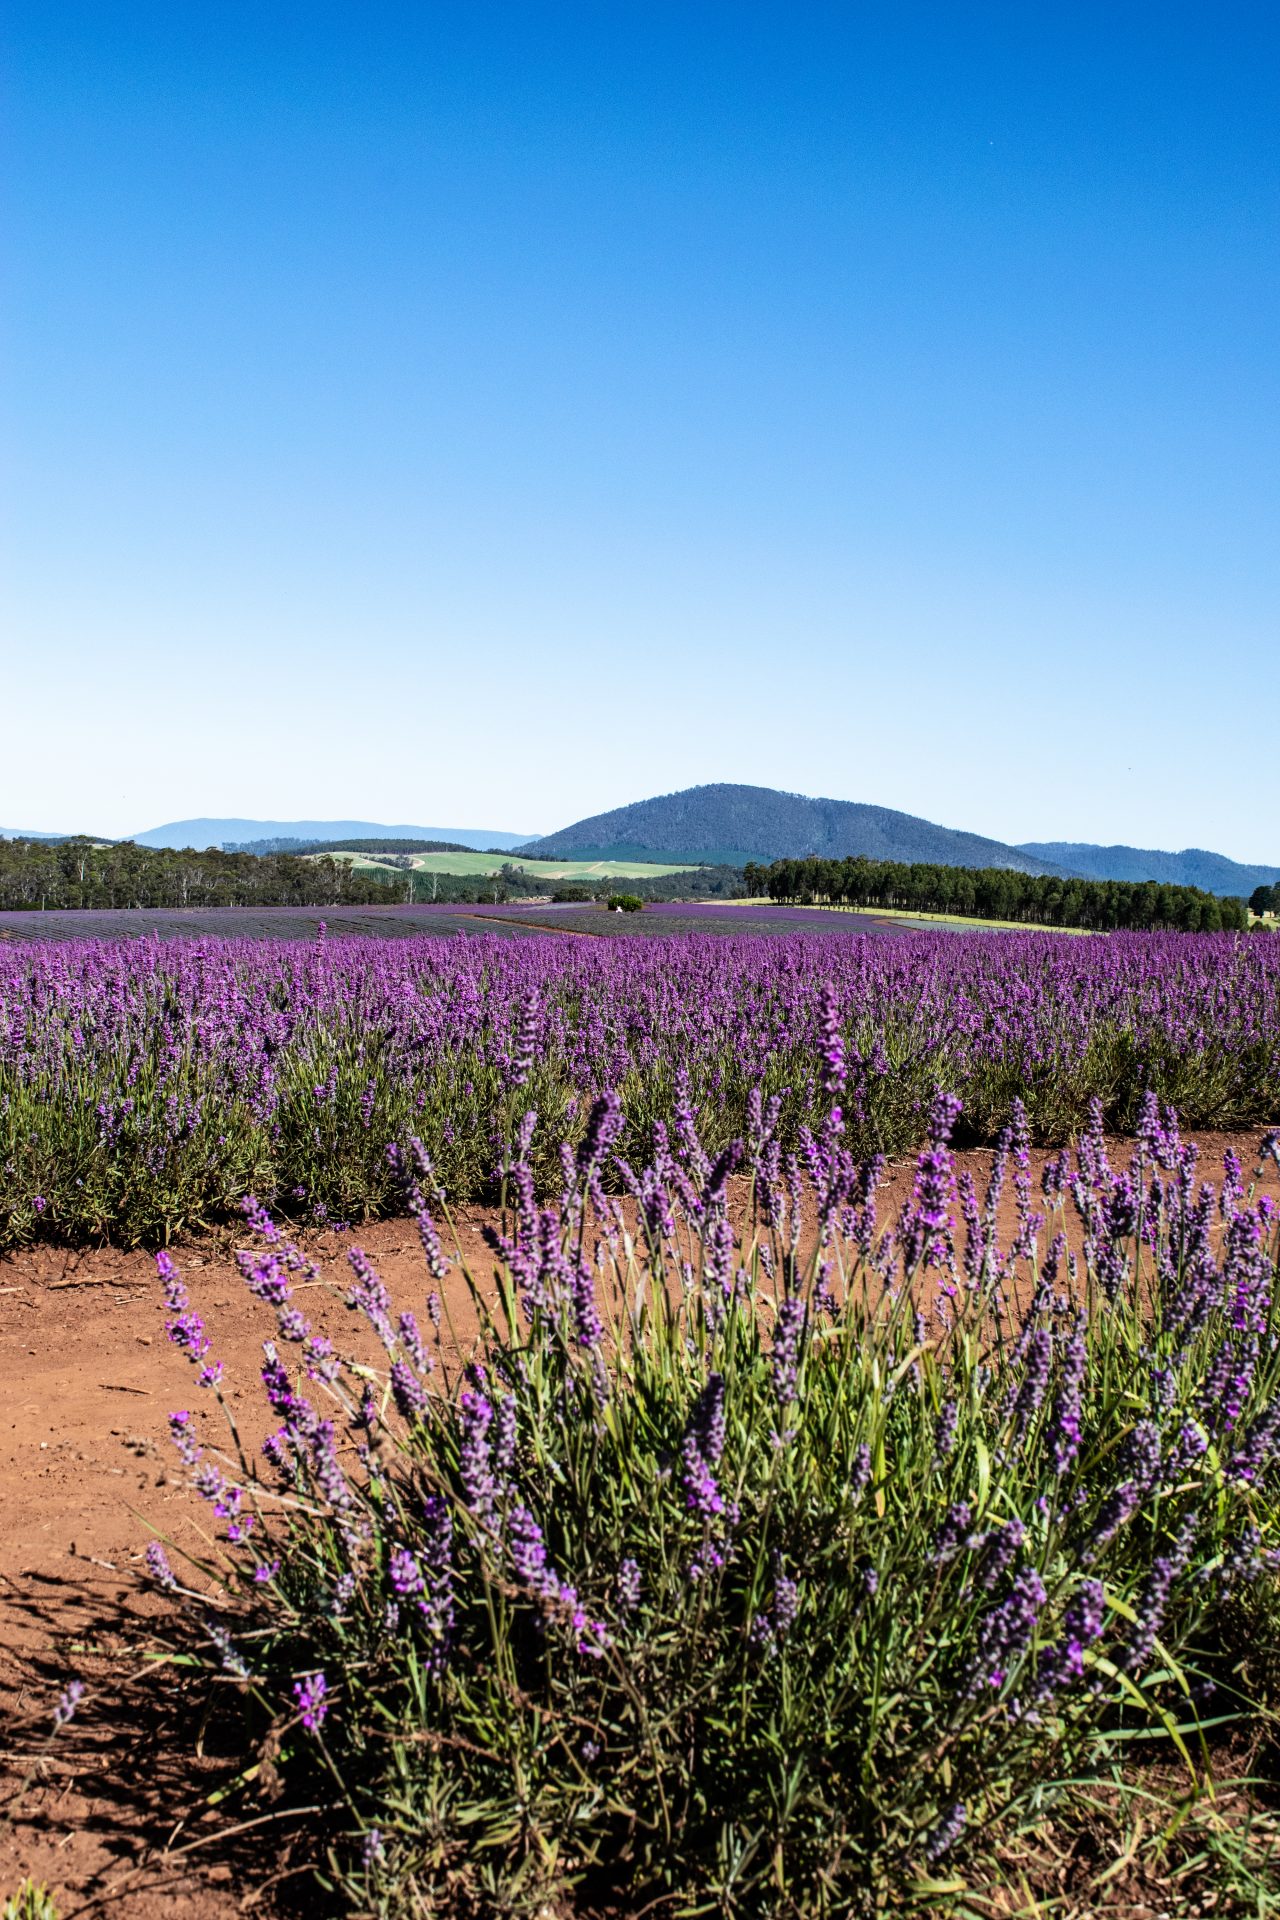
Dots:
pixel 144 1086
pixel 513 919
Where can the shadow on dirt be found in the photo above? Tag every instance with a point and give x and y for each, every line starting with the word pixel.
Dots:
pixel 134 1805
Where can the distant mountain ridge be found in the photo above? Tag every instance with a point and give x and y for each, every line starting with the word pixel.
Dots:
pixel 212 833
pixel 1193 867
pixel 732 824
pixel 729 824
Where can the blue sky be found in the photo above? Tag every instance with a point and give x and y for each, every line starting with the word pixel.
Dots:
pixel 492 414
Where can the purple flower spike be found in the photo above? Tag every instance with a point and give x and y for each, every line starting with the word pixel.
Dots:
pixel 942 1838
pixel 68 1701
pixel 701 1449
pixel 311 1695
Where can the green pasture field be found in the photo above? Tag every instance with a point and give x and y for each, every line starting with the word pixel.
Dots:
pixel 465 865
pixel 914 918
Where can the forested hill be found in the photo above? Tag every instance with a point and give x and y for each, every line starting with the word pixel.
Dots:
pixel 734 824
pixel 1193 867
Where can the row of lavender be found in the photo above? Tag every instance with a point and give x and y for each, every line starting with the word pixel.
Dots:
pixel 146 1087
pixel 751 1583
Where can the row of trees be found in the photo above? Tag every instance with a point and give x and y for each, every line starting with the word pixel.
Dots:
pixel 80 873
pixel 77 873
pixel 995 893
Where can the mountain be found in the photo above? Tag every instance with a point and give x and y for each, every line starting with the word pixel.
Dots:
pixel 212 833
pixel 1193 867
pixel 25 833
pixel 733 824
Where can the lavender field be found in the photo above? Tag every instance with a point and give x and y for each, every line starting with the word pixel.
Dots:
pixel 146 1086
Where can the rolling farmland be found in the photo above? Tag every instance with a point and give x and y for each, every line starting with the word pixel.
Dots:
pixel 465 865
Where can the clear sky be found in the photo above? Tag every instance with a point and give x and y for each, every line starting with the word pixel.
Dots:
pixel 487 414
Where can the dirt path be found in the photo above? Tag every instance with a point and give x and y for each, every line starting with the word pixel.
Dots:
pixel 87 1380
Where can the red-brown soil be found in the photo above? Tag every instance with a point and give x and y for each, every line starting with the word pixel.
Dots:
pixel 87 1379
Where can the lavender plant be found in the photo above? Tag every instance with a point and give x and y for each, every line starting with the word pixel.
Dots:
pixel 146 1088
pixel 766 1563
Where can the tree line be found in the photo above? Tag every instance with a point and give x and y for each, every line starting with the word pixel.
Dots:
pixel 80 873
pixel 83 873
pixel 995 893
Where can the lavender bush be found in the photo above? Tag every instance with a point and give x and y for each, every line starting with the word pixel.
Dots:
pixel 147 1088
pixel 759 1582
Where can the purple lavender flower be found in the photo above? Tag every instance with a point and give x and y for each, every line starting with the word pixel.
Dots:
pixel 233 1661
pixel 786 1604
pixel 311 1695
pixel 1139 1456
pixel 1259 1446
pixel 184 1328
pixel 1116 1511
pixel 370 1297
pixel 944 1836
pixel 325 1465
pixel 944 1431
pixel 1243 1559
pixel 1000 1545
pixel 1035 1379
pixel 158 1566
pixel 604 1124
pixel 1005 1634
pixel 68 1701
pixel 928 1212
pixel 404 1573
pixel 526 1040
pixel 436 1602
pixel 785 1359
pixel 701 1449
pixel 1189 1446
pixel 1065 1423
pixel 1062 1664
pixel 586 1316
pixel 504 1436
pixel 1152 1603
pixel 475 1456
pixel 628 1586
pixel 707 1421
pixel 832 1042
pixel 407 1391
pixel 182 1433
pixel 411 1341
pixel 952 1534
pixel 528 1551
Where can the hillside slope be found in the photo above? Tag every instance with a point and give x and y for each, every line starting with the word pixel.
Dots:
pixel 735 823
pixel 1193 867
